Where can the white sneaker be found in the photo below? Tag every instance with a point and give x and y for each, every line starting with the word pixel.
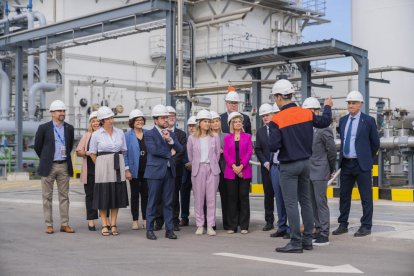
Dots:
pixel 210 231
pixel 244 231
pixel 230 232
pixel 199 231
pixel 135 225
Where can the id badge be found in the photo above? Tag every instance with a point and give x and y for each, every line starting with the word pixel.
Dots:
pixel 63 151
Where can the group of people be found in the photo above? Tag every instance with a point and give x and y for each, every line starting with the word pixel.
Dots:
pixel 295 147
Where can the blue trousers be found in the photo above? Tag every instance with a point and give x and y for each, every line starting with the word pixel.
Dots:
pixel 280 204
pixel 161 189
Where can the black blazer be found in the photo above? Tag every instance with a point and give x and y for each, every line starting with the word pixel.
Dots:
pixel 262 146
pixel 225 126
pixel 44 147
pixel 178 157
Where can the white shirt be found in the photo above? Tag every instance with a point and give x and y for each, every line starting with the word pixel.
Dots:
pixel 204 150
pixel 101 141
pixel 355 123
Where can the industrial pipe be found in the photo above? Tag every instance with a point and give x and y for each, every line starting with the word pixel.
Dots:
pixel 40 86
pixel 5 94
pixel 396 142
pixel 180 43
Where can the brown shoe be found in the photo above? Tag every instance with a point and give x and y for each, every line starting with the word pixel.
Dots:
pixel 67 229
pixel 49 230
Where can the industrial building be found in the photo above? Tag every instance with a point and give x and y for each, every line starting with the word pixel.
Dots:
pixel 185 53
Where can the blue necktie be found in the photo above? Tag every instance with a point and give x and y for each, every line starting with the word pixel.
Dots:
pixel 347 145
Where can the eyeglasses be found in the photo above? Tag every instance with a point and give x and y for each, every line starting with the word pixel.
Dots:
pixel 139 120
pixel 353 103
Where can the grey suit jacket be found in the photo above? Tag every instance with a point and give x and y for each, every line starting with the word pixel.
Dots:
pixel 323 159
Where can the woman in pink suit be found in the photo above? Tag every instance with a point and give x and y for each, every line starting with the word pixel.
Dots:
pixel 203 149
pixel 238 173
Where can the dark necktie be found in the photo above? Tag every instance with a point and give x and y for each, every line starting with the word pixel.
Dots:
pixel 267 128
pixel 347 146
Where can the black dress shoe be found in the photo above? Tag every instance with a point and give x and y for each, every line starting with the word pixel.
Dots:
pixel 289 248
pixel 307 246
pixel 362 231
pixel 184 222
pixel 157 227
pixel 278 234
pixel 151 235
pixel 268 227
pixel 176 227
pixel 170 235
pixel 340 230
pixel 286 236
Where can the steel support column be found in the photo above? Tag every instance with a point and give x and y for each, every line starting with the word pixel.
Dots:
pixel 19 108
pixel 380 169
pixel 170 57
pixel 306 81
pixel 256 74
pixel 363 82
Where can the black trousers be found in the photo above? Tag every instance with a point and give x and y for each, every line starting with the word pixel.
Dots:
pixel 224 200
pixel 351 172
pixel 269 195
pixel 159 219
pixel 91 214
pixel 238 203
pixel 139 186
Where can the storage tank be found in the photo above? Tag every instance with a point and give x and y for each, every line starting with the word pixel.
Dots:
pixel 384 28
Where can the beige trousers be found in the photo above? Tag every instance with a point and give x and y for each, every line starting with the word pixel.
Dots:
pixel 59 173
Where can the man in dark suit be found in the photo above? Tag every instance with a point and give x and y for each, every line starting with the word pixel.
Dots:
pixel 359 144
pixel 178 157
pixel 53 144
pixel 263 154
pixel 232 105
pixel 161 170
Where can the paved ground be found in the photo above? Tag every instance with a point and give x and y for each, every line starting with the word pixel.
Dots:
pixel 25 249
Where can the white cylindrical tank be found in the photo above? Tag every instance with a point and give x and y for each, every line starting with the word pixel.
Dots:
pixel 384 28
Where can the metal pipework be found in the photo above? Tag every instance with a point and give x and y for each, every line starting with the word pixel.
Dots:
pixel 40 86
pixel 5 90
pixel 180 43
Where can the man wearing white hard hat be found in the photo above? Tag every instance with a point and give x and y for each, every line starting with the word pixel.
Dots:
pixel 359 145
pixel 178 157
pixel 161 170
pixel 264 155
pixel 53 144
pixel 291 132
pixel 232 105
pixel 322 166
pixel 186 184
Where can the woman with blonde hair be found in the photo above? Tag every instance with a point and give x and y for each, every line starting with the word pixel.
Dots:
pixel 88 170
pixel 203 149
pixel 216 128
pixel 237 152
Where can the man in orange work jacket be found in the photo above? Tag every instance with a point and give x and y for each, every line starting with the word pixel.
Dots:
pixel 291 132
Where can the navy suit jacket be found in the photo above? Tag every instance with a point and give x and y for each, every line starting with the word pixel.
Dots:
pixel 262 146
pixel 247 126
pixel 159 154
pixel 367 141
pixel 44 147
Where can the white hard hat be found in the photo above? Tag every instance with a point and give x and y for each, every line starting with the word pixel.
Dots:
pixel 104 112
pixel 354 96
pixel 311 103
pixel 232 97
pixel 234 115
pixel 265 109
pixel 214 115
pixel 135 113
pixel 203 114
pixel 93 115
pixel 283 87
pixel 275 108
pixel 159 110
pixel 192 120
pixel 57 105
pixel 171 109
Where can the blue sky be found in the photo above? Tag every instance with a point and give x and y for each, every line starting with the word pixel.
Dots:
pixel 339 13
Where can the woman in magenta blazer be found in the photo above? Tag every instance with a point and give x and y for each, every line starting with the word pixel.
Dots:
pixel 237 152
pixel 203 149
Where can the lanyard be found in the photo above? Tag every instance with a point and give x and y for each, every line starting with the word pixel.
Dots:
pixel 60 137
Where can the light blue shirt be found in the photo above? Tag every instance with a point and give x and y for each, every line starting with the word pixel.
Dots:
pixel 59 141
pixel 355 123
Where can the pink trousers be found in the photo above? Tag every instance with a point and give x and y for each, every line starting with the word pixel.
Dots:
pixel 205 185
